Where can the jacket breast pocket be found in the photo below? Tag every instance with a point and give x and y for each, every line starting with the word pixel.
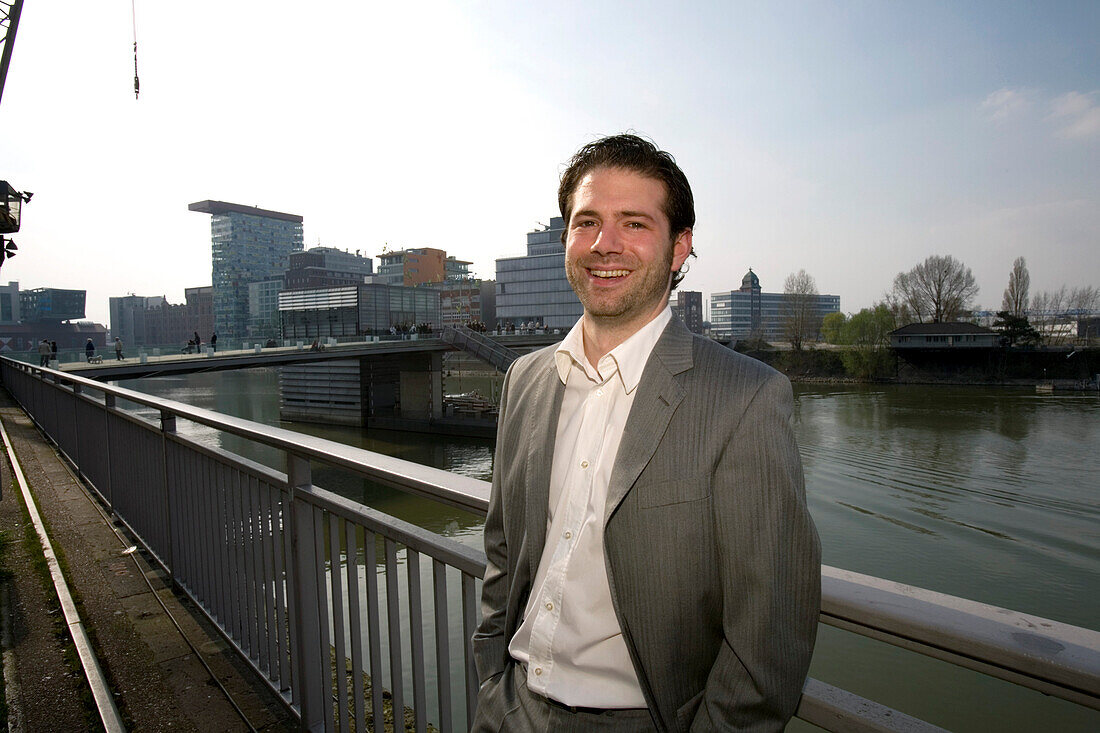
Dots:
pixel 673 491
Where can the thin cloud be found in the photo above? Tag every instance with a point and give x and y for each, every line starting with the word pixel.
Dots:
pixel 1077 115
pixel 1005 103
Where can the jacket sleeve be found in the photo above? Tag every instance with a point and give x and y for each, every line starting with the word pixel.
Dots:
pixel 489 644
pixel 770 571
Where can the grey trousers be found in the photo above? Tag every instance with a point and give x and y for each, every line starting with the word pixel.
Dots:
pixel 505 704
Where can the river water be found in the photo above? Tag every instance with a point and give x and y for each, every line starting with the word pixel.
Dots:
pixel 988 494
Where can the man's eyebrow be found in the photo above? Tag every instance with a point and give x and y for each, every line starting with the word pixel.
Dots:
pixel 635 215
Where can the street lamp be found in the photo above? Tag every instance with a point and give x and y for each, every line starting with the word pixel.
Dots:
pixel 11 204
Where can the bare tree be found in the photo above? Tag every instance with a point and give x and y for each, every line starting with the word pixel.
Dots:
pixel 1015 299
pixel 800 322
pixel 1085 298
pixel 939 289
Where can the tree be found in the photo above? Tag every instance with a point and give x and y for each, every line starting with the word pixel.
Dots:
pixel 868 332
pixel 939 289
pixel 832 327
pixel 1016 329
pixel 1015 297
pixel 800 323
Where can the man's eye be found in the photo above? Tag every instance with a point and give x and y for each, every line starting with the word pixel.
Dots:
pixel 588 223
pixel 635 225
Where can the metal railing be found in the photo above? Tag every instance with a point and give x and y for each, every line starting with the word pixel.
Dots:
pixel 338 606
pixel 481 346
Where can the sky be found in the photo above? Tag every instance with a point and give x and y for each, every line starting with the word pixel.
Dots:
pixel 849 139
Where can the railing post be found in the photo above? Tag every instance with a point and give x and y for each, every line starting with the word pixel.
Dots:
pixel 108 494
pixel 75 457
pixel 167 426
pixel 305 626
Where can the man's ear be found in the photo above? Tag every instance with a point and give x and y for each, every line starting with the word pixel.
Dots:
pixel 681 248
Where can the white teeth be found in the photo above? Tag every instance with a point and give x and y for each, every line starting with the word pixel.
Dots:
pixel 610 273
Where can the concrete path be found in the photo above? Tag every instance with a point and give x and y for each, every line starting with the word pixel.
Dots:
pixel 158 681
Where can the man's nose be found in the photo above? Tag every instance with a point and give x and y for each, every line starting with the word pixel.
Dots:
pixel 607 242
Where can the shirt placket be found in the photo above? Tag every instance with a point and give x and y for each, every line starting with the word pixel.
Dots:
pixel 579 484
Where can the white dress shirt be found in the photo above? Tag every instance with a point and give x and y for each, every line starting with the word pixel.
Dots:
pixel 570 639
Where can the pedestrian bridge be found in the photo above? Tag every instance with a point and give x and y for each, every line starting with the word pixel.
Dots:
pixel 333 603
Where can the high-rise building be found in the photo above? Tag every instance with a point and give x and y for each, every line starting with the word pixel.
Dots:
pixel 687 305
pixel 247 245
pixel 752 313
pixel 128 317
pixel 533 288
pixel 263 309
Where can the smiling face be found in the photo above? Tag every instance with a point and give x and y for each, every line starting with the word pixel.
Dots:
pixel 619 253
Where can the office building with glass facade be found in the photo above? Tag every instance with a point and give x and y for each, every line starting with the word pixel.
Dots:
pixel 752 313
pixel 533 289
pixel 326 267
pixel 51 305
pixel 247 245
pixel 370 309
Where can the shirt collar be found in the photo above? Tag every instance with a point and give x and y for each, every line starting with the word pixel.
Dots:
pixel 628 359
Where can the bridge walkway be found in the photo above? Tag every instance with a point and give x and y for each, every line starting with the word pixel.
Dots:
pixel 158 681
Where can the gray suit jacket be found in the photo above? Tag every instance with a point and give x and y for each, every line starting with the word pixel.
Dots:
pixel 713 560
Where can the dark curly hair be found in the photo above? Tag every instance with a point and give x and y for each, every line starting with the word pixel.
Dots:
pixel 641 156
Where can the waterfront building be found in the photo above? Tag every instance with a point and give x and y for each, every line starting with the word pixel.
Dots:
pixel 170 325
pixel 51 305
pixel 369 309
pixel 533 288
pixel 751 313
pixel 687 305
pixel 326 267
pixel 9 303
pixel 953 335
pixel 263 308
pixel 411 267
pixel 248 245
pixel 128 317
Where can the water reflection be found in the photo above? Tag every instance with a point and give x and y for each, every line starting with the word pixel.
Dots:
pixel 981 493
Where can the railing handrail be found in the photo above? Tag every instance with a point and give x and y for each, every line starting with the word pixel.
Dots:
pixel 1050 656
pixel 459 491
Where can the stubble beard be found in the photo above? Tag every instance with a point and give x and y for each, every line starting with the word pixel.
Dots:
pixel 634 302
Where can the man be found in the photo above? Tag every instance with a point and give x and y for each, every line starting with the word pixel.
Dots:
pixel 118 349
pixel 43 353
pixel 651 562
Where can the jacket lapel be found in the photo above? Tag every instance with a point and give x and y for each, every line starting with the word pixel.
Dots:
pixel 542 428
pixel 659 394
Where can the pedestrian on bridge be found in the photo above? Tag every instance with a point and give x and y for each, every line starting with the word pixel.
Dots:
pixel 89 350
pixel 651 564
pixel 43 353
pixel 118 349
pixel 214 341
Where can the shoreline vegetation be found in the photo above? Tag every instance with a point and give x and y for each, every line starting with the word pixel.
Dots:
pixel 1058 368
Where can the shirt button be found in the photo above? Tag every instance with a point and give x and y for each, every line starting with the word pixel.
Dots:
pixel 568 535
pixel 584 464
pixel 549 606
pixel 599 393
pixel 538 670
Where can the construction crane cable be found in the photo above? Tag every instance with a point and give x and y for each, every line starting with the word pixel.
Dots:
pixel 133 17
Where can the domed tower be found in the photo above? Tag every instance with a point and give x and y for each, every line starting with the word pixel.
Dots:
pixel 750 284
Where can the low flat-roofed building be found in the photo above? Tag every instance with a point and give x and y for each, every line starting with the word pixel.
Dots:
pixel 953 335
